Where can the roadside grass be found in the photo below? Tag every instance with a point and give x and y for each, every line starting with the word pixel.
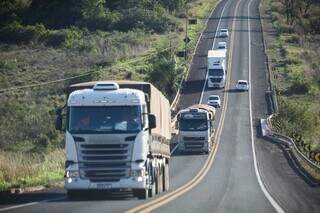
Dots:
pixel 19 169
pixel 294 61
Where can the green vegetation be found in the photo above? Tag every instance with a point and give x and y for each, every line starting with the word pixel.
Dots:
pixel 294 54
pixel 22 170
pixel 78 40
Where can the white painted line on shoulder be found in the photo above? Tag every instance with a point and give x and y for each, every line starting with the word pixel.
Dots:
pixel 262 186
pixel 31 204
pixel 174 149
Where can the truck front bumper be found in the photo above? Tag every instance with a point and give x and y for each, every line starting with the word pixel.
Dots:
pixel 85 184
pixel 193 147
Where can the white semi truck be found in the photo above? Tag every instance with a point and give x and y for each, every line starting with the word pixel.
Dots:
pixel 117 138
pixel 216 68
pixel 195 128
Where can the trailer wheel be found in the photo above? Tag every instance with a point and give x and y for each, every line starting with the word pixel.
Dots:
pixel 166 181
pixel 160 181
pixel 141 194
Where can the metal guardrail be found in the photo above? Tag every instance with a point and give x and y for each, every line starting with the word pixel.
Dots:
pixel 271 93
pixel 302 159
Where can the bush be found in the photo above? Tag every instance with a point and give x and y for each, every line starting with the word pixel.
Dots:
pixel 297 117
pixel 299 83
pixel 55 38
pixel 17 33
pixel 164 73
pixel 150 20
pixel 285 28
pixel 293 39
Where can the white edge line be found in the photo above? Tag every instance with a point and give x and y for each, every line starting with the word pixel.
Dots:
pixel 262 186
pixel 31 204
pixel 214 39
pixel 174 149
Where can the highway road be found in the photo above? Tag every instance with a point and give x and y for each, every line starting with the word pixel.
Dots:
pixel 242 174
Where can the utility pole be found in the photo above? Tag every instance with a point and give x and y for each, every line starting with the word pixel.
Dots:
pixel 186 38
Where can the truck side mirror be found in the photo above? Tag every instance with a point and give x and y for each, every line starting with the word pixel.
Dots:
pixel 152 121
pixel 58 119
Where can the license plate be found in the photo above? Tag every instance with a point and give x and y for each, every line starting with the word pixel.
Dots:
pixel 103 186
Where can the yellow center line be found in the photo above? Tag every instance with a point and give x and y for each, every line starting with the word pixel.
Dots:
pixel 166 198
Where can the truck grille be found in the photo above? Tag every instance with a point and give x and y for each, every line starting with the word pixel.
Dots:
pixel 193 145
pixel 104 162
pixel 193 138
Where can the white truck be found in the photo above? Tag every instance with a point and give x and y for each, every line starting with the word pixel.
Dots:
pixel 195 128
pixel 117 138
pixel 216 66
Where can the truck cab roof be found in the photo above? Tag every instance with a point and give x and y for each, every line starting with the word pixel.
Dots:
pixel 106 93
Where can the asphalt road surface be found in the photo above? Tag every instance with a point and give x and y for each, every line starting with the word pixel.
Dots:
pixel 248 174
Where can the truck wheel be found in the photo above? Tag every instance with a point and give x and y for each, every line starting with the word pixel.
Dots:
pixel 73 194
pixel 141 194
pixel 166 182
pixel 152 190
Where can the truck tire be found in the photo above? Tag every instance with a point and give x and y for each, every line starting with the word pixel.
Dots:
pixel 209 148
pixel 152 189
pixel 166 181
pixel 141 194
pixel 73 194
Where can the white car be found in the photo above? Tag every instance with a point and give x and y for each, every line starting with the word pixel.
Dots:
pixel 242 85
pixel 214 100
pixel 223 33
pixel 222 45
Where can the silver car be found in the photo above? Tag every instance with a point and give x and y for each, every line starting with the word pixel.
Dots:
pixel 222 45
pixel 242 85
pixel 214 100
pixel 223 33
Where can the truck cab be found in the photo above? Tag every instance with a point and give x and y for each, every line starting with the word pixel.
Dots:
pixel 195 128
pixel 110 139
pixel 216 68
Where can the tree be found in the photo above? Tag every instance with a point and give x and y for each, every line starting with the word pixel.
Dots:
pixel 163 73
pixel 64 13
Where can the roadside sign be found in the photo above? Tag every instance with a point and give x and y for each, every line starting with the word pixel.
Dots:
pixel 186 40
pixel 192 21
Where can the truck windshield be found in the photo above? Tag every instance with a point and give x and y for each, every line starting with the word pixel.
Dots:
pixel 105 119
pixel 215 80
pixel 216 72
pixel 193 124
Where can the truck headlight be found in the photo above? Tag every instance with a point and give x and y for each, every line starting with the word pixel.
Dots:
pixel 137 173
pixel 72 174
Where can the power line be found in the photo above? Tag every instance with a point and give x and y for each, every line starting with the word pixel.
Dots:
pixel 84 74
pixel 45 83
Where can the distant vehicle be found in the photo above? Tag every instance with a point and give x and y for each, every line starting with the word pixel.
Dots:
pixel 214 100
pixel 195 128
pixel 117 137
pixel 242 85
pixel 216 66
pixel 223 33
pixel 222 45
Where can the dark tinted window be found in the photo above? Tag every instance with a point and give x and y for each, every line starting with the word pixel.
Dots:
pixel 105 119
pixel 217 72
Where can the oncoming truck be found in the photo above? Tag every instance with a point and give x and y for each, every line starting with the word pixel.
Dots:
pixel 117 138
pixel 216 68
pixel 195 128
